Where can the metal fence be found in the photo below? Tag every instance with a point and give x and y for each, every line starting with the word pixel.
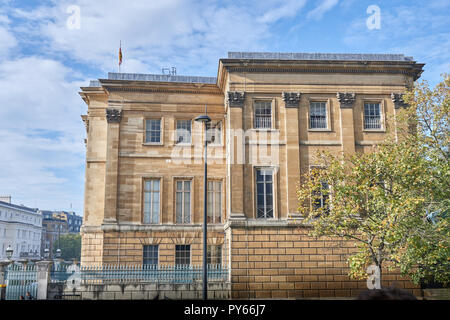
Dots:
pixel 135 274
pixel 21 279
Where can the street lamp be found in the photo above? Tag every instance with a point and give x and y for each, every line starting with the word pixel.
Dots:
pixel 46 253
pixel 9 252
pixel 205 119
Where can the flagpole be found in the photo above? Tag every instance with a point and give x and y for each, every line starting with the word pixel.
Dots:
pixel 120 52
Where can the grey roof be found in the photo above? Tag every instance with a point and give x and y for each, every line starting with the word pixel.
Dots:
pixel 318 56
pixel 2 203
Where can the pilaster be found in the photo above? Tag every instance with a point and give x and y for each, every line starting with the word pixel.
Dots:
pixel 113 117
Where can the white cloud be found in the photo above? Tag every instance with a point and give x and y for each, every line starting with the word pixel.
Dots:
pixel 41 133
pixel 282 10
pixel 325 6
pixel 155 34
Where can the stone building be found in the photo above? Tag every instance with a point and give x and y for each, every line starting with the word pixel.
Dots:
pixel 55 224
pixel 270 113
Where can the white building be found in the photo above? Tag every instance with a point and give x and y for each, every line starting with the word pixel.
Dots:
pixel 20 228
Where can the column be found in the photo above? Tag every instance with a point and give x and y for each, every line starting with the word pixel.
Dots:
pixel 347 101
pixel 292 165
pixel 113 117
pixel 236 155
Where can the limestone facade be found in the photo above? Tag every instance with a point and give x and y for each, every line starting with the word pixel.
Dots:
pixel 144 185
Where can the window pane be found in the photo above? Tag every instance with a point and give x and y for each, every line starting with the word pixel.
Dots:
pixel 187 207
pixel 179 207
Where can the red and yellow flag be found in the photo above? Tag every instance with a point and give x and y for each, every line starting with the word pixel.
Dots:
pixel 120 54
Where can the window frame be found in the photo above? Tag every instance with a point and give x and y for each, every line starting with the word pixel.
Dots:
pixel 274 203
pixel 190 255
pixel 328 122
pixel 312 167
pixel 191 205
pixel 176 132
pixel 144 179
pixel 157 254
pixel 218 142
pixel 161 132
pixel 210 256
pixel 257 100
pixel 221 209
pixel 381 104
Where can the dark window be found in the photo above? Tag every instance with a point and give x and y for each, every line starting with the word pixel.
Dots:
pixel 150 253
pixel 318 115
pixel 264 193
pixel 182 255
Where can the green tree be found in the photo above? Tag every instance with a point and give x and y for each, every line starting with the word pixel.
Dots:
pixel 382 199
pixel 70 246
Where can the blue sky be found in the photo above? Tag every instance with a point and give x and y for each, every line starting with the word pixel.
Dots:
pixel 45 56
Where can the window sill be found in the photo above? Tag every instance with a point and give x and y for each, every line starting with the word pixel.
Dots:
pixel 265 129
pixel 183 144
pixel 375 130
pixel 320 130
pixel 153 144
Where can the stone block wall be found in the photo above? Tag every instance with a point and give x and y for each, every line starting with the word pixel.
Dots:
pixel 149 291
pixel 284 262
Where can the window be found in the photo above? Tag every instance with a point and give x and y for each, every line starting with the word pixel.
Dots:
pixel 183 131
pixel 372 116
pixel 320 198
pixel 151 201
pixel 318 115
pixel 264 193
pixel 183 201
pixel 214 132
pixel 182 254
pixel 153 130
pixel 263 115
pixel 150 254
pixel 214 201
pixel 214 254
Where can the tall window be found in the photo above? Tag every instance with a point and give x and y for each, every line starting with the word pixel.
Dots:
pixel 264 193
pixel 182 254
pixel 151 201
pixel 150 254
pixel 317 115
pixel 263 114
pixel 214 201
pixel 153 130
pixel 372 116
pixel 214 132
pixel 321 196
pixel 183 201
pixel 183 131
pixel 214 254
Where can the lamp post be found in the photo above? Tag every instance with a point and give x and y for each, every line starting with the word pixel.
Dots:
pixel 205 119
pixel 9 252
